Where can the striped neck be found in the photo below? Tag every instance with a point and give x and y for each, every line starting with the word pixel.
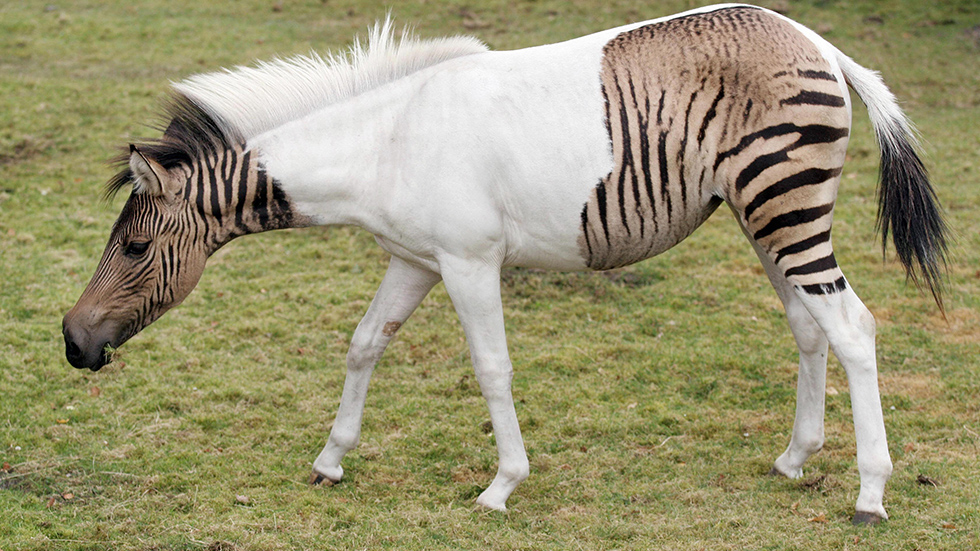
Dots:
pixel 234 196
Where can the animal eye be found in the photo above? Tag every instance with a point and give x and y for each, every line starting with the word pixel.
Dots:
pixel 137 248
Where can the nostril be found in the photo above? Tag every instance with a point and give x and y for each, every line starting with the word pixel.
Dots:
pixel 71 349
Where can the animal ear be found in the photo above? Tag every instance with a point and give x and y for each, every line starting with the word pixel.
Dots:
pixel 149 176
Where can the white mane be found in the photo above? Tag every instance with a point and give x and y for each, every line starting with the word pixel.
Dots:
pixel 247 101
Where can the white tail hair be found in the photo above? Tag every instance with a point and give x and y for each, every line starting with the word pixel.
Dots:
pixel 907 204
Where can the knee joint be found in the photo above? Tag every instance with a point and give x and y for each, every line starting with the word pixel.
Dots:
pixel 358 359
pixel 363 352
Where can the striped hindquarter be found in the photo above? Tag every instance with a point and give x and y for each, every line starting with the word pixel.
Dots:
pixel 733 105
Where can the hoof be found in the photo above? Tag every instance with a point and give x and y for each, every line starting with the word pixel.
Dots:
pixel 862 518
pixel 486 507
pixel 792 476
pixel 317 479
pixel 484 502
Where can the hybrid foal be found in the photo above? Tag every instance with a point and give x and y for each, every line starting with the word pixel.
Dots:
pixel 588 154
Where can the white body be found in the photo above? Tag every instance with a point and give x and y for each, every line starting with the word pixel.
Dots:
pixel 448 162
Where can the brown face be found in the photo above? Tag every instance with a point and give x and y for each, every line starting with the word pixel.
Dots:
pixel 154 258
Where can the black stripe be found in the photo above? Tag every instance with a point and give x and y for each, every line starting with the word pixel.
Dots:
pixel 585 229
pixel 825 288
pixel 174 263
pixel 793 218
pixel 660 108
pixel 231 157
pixel 645 163
pixel 809 135
pixel 664 181
pixel 243 184
pixel 801 246
pixel 605 99
pixel 765 134
pixel 712 113
pixel 683 148
pixel 809 177
pixel 165 268
pixel 759 164
pixel 620 186
pixel 627 160
pixel 811 97
pixel 818 75
pixel 223 173
pixel 199 197
pixel 748 109
pixel 819 265
pixel 818 133
pixel 687 114
pixel 600 197
pixel 260 202
pixel 213 188
pixel 634 177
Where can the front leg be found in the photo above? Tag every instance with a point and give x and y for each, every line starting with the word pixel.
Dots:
pixel 401 291
pixel 474 287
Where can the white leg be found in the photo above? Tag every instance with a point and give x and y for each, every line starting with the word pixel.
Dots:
pixel 401 291
pixel 808 431
pixel 850 328
pixel 475 291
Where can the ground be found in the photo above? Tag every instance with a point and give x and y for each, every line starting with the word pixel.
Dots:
pixel 653 399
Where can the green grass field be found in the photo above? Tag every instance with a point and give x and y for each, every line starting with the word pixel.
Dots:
pixel 652 399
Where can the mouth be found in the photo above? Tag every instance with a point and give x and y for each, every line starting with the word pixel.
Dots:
pixel 79 360
pixel 102 359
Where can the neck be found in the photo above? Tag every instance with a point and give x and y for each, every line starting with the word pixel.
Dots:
pixel 333 165
pixel 234 196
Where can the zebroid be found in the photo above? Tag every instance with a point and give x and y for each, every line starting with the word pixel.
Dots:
pixel 589 154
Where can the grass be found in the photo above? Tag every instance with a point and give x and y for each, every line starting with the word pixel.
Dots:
pixel 652 399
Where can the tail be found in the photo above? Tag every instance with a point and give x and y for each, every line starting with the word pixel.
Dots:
pixel 907 204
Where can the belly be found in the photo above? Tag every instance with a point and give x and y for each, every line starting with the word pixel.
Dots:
pixel 598 228
pixel 627 235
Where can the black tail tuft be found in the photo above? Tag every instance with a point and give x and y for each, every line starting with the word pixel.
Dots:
pixel 909 210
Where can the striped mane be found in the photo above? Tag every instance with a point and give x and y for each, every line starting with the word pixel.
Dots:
pixel 248 101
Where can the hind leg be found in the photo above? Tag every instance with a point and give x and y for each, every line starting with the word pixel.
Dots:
pixel 793 239
pixel 850 328
pixel 808 426
pixel 832 313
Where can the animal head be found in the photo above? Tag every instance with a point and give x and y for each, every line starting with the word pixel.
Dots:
pixel 193 190
pixel 154 257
